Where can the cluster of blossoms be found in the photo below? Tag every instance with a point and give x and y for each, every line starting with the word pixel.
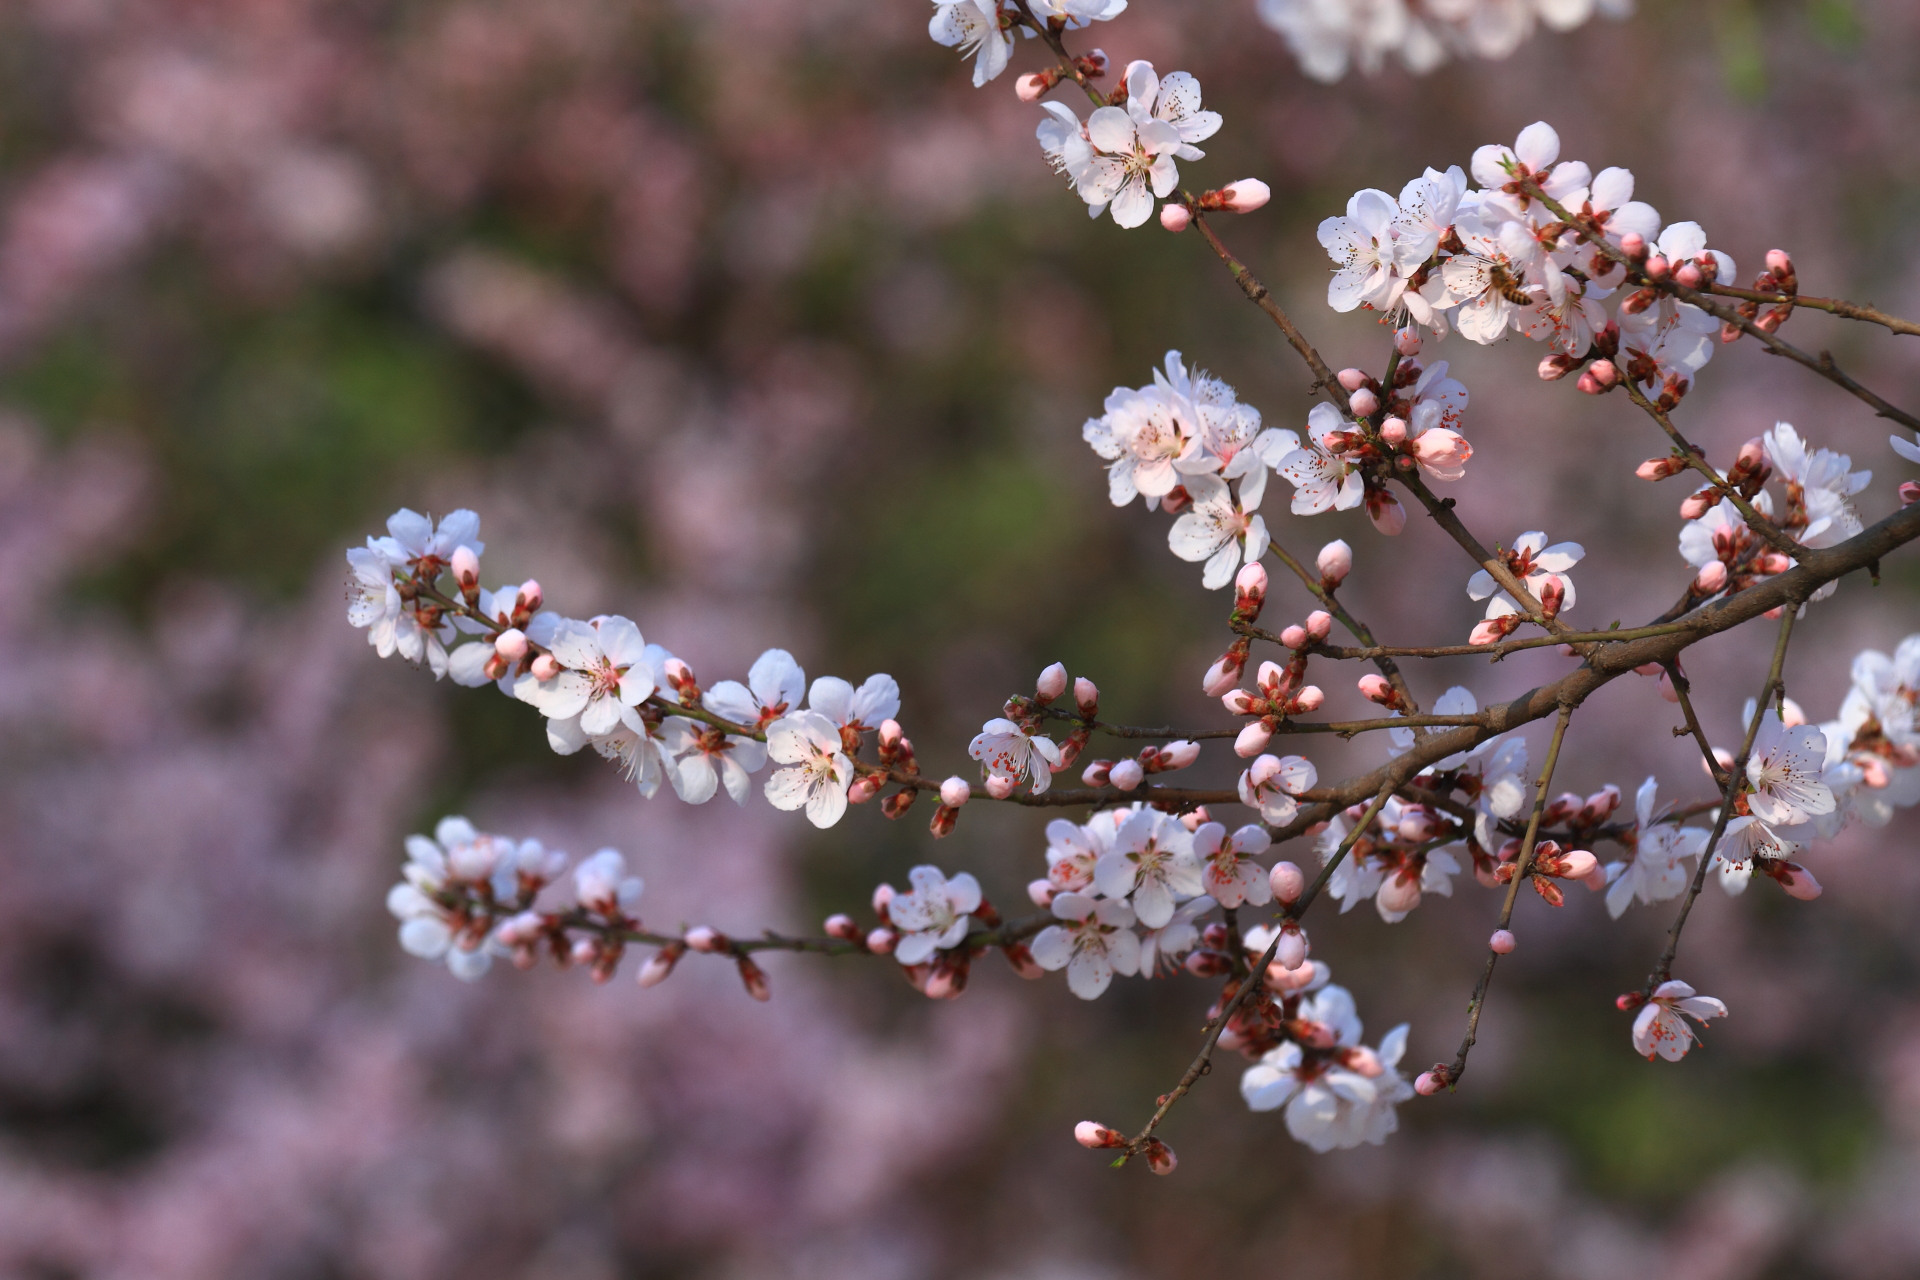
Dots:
pixel 1328 36
pixel 1496 258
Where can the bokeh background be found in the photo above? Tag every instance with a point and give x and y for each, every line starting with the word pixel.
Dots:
pixel 753 320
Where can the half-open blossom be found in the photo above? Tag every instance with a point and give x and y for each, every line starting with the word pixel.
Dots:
pixel 817 772
pixel 934 916
pixel 1533 562
pixel 1009 751
pixel 1270 784
pixel 373 601
pixel 775 685
pixel 1660 1027
pixel 1092 941
pixel 978 29
pixel 1162 948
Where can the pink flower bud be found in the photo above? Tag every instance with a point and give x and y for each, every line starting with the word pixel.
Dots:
pixel 882 898
pixel 1696 504
pixel 1335 562
pixel 1033 87
pixel 1252 740
pixel 1363 403
pixel 1351 379
pixel 546 667
pixel 1909 492
pixel 1292 951
pixel 1246 194
pixel 1294 637
pixel 1399 893
pixel 1309 699
pixel 1222 675
pixel 1604 372
pixel 1658 267
pixel 1779 263
pixel 511 644
pixel 754 979
pixel 1633 244
pixel 1319 624
pixel 466 567
pixel 1428 1084
pixel 1660 468
pixel 585 950
pixel 1487 631
pixel 1555 367
pixel 1394 431
pixel 1086 696
pixel 1126 775
pixel 1711 580
pixel 881 941
pixel 1089 1134
pixel 890 736
pixel 1052 683
pixel 1040 892
pixel 1388 516
pixel 1798 881
pixel 660 964
pixel 1288 883
pixel 1178 754
pixel 1688 274
pixel 1407 341
pixel 1577 864
pixel 1251 581
pixel 1374 688
pixel 1175 217
pixel 955 792
pixel 865 788
pixel 1160 1157
pixel 531 597
pixel 708 939
pixel 1773 562
pixel 1502 942
pixel 840 925
pixel 999 786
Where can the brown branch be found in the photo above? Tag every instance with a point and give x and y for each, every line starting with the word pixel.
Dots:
pixel 1832 306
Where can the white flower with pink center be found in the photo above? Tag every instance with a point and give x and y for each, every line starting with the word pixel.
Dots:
pixel 1010 751
pixel 1272 783
pixel 700 758
pixel 817 771
pixel 1662 1027
pixel 775 684
pixel 1654 873
pixel 1092 941
pixel 1231 876
pixel 1220 527
pixel 1152 862
pixel 603 676
pixel 1143 434
pixel 1784 770
pixel 1533 562
pixel 934 916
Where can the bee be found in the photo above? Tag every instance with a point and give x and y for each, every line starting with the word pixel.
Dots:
pixel 1509 287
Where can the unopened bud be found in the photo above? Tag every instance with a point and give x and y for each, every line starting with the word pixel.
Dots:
pixel 511 644
pixel 1086 696
pixel 1779 263
pixel 1502 942
pixel 1660 468
pixel 1399 893
pixel 1375 688
pixel 1553 594
pixel 466 568
pixel 1711 580
pixel 1295 637
pixel 1394 431
pixel 1288 883
pixel 1797 881
pixel 1089 1134
pixel 955 792
pixel 1245 195
pixel 704 938
pixel 1291 953
pixel 1251 581
pixel 1308 700
pixel 1052 683
pixel 1577 864
pixel 1909 492
pixel 1175 217
pixel 754 979
pixel 1040 892
pixel 1319 624
pixel 1252 740
pixel 1033 87
pixel 891 736
pixel 1688 274
pixel 1555 367
pixel 1126 775
pixel 880 941
pixel 1604 372
pixel 841 926
pixel 1097 773
pixel 1363 403
pixel 1697 504
pixel 865 788
pixel 1160 1157
pixel 1407 341
pixel 1223 674
pixel 660 964
pixel 1178 754
pixel 1388 516
pixel 1658 267
pixel 546 667
pixel 1633 244
pixel 1428 1084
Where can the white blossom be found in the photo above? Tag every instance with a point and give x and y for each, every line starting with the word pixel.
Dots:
pixel 1535 564
pixel 934 916
pixel 601 884
pixel 1009 751
pixel 699 758
pixel 1163 948
pixel 1221 526
pixel 1271 783
pixel 1231 876
pixel 1093 940
pixel 1132 164
pixel 876 701
pixel 1143 435
pixel 1784 770
pixel 1653 873
pixel 775 685
pixel 1660 1029
pixel 604 675
pixel 1151 862
pixel 978 29
pixel 817 771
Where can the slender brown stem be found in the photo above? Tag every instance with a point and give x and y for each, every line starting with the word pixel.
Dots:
pixel 1495 651
pixel 1681 688
pixel 1202 1061
pixel 1520 866
pixel 1832 306
pixel 1663 968
pixel 1356 628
